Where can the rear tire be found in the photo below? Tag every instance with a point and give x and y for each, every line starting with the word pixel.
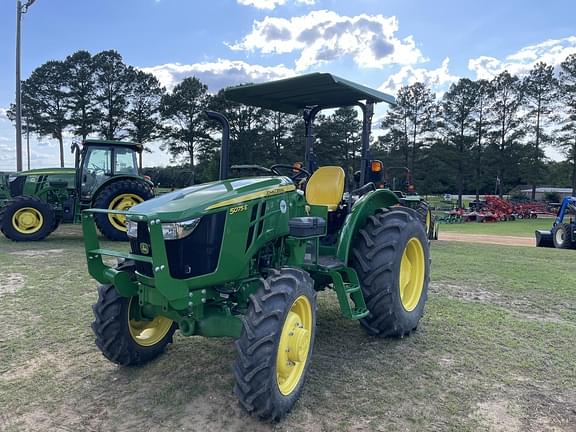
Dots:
pixel 265 386
pixel 392 241
pixel 27 218
pixel 425 215
pixel 562 236
pixel 112 327
pixel 111 197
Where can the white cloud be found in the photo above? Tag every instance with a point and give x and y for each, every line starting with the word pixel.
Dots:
pixel 552 52
pixel 271 4
pixel 3 114
pixel 323 36
pixel 219 74
pixel 437 79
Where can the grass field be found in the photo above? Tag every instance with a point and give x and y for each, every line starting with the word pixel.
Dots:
pixel 495 351
pixel 520 228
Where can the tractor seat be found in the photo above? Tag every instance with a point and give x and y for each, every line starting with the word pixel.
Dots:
pixel 326 187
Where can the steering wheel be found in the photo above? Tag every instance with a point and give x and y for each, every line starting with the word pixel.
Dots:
pixel 300 175
pixel 95 169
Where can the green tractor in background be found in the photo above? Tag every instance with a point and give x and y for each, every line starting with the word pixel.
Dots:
pixel 4 189
pixel 105 176
pixel 244 257
pixel 399 180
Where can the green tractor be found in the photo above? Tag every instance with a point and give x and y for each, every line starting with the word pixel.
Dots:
pixel 244 257
pixel 105 176
pixel 399 179
pixel 4 189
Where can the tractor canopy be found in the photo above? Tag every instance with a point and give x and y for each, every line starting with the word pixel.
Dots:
pixel 310 94
pixel 96 142
pixel 292 95
pixel 196 200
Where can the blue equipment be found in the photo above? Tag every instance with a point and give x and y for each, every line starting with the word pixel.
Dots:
pixel 563 234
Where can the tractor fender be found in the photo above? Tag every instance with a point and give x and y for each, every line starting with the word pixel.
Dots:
pixel 366 206
pixel 116 179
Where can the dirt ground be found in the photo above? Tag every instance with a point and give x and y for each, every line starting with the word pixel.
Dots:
pixel 494 352
pixel 488 239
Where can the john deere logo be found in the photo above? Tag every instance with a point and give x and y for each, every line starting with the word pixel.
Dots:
pixel 144 249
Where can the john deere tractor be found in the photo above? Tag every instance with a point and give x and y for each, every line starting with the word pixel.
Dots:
pixel 105 176
pixel 244 257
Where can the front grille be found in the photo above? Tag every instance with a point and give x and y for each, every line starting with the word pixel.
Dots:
pixel 143 237
pixel 191 256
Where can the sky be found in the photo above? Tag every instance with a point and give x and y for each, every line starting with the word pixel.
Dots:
pixel 379 43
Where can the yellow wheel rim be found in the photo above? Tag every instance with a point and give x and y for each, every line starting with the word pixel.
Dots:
pixel 27 220
pixel 412 269
pixel 294 345
pixel 428 220
pixel 148 333
pixel 122 202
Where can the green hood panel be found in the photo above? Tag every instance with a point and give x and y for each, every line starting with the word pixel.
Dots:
pixel 48 171
pixel 197 200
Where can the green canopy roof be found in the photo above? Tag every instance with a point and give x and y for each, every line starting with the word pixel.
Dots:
pixel 111 142
pixel 292 95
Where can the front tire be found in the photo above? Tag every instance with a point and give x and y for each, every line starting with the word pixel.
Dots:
pixel 563 236
pixel 27 218
pixel 276 344
pixel 120 195
pixel 122 339
pixel 392 258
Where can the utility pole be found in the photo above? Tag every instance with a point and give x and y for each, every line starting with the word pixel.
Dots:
pixel 20 9
pixel 28 142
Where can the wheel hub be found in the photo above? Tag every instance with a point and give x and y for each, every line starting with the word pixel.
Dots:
pixel 412 269
pixel 294 345
pixel 147 333
pixel 560 236
pixel 27 220
pixel 122 202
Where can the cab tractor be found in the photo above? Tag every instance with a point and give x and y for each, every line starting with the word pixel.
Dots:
pixel 105 176
pixel 244 257
pixel 4 191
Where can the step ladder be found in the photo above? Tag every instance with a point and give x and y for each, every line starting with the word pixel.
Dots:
pixel 347 286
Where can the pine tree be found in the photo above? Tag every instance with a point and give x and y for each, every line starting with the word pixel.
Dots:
pixel 112 87
pixel 81 93
pixel 144 99
pixel 480 114
pixel 44 102
pixel 540 91
pixel 505 100
pixel 458 105
pixel 412 120
pixel 186 126
pixel 566 132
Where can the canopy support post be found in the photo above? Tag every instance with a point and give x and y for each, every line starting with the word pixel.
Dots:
pixel 309 115
pixel 367 114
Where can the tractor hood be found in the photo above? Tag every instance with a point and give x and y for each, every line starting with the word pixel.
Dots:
pixel 197 200
pixel 47 171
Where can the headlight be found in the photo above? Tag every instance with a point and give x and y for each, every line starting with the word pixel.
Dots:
pixel 170 231
pixel 132 229
pixel 179 230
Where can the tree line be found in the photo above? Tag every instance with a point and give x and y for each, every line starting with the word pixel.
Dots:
pixel 483 136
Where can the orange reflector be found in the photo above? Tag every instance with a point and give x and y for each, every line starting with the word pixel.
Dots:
pixel 376 166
